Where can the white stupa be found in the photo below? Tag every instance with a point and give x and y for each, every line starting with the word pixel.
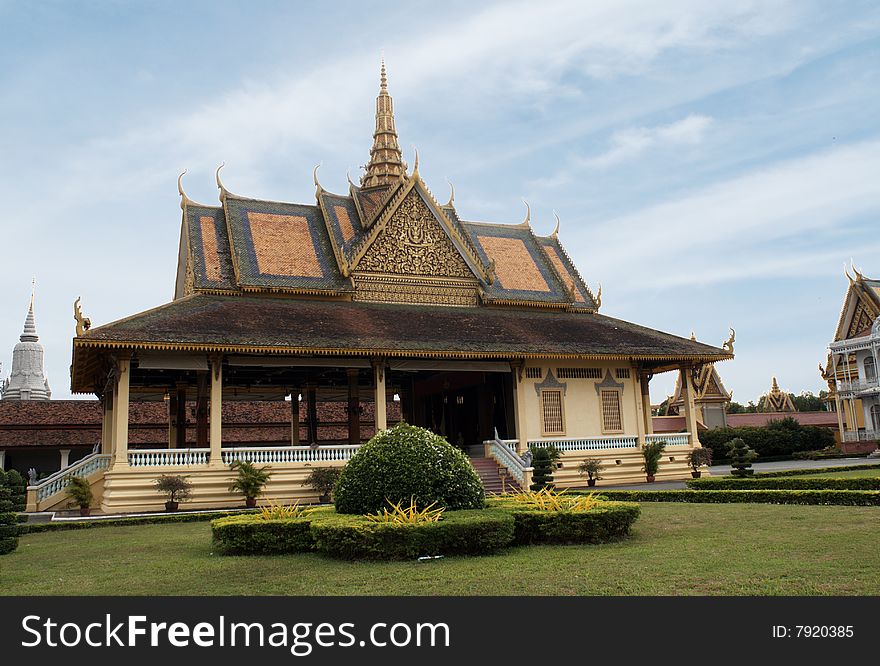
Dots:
pixel 27 380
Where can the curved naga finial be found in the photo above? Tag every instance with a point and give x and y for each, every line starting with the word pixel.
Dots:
pixel 599 297
pixel 451 202
pixel 318 187
pixel 220 186
pixel 728 344
pixel 348 178
pixel 855 270
pixel 526 222
pixel 180 188
pixel 846 272
pixel 555 233
pixel 83 324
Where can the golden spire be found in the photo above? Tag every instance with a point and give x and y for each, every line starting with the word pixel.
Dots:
pixel 386 165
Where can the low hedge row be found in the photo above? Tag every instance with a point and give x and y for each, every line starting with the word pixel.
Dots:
pixel 610 522
pixel 8 522
pixel 840 497
pixel 784 483
pixel 465 532
pixel 815 470
pixel 184 517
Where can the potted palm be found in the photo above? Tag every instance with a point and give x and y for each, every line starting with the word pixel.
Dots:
pixel 697 458
pixel 591 467
pixel 80 491
pixel 250 481
pixel 323 479
pixel 176 488
pixel 651 452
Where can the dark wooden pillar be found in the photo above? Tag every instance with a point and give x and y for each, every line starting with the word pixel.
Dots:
pixel 180 417
pixel 202 411
pixel 294 417
pixel 312 405
pixel 354 407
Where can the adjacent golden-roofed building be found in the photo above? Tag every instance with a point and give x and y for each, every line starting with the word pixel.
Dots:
pixel 850 368
pixel 486 333
pixel 710 396
pixel 777 400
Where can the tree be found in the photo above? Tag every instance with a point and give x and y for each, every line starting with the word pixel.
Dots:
pixel 741 457
pixel 735 408
pixel 542 469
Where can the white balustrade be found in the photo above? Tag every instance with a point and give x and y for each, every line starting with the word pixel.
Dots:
pixel 861 435
pixel 168 457
pixel 268 455
pixel 507 457
pixel 57 482
pixel 857 385
pixel 672 439
pixel 587 444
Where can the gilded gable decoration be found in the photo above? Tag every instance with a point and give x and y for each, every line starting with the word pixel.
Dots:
pixel 776 400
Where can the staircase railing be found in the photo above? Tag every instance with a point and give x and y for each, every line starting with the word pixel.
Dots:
pixel 57 482
pixel 501 451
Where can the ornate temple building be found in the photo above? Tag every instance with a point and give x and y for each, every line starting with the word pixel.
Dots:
pixel 27 380
pixel 711 398
pixel 483 332
pixel 851 366
pixel 776 400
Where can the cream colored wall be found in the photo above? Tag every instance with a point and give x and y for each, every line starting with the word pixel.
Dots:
pixel 581 406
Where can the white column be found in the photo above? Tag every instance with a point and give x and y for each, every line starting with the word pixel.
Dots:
pixel 519 409
pixel 690 412
pixel 120 413
pixel 379 375
pixel 2 458
pixel 216 429
pixel 65 458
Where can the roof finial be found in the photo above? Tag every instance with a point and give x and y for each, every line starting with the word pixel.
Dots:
pixel 348 178
pixel 855 270
pixel 846 272
pixel 183 197
pixel 555 233
pixel 525 222
pixel 386 165
pixel 599 297
pixel 728 344
pixel 315 178
pixel 416 164
pixel 451 202
pixel 223 190
pixel 693 336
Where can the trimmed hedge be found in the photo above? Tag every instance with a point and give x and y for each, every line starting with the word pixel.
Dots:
pixel 784 483
pixel 837 497
pixel 248 535
pixel 610 522
pixel 17 486
pixel 778 438
pixel 407 462
pixel 183 517
pixel 815 470
pixel 467 532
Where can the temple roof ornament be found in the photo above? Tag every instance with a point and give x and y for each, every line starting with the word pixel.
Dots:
pixel 27 380
pixel 728 344
pixel 777 400
pixel 527 222
pixel 451 202
pixel 386 166
pixel 555 233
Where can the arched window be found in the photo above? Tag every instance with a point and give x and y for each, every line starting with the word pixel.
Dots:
pixel 870 370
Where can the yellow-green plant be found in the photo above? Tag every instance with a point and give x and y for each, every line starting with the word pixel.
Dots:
pixel 401 514
pixel 547 499
pixel 278 511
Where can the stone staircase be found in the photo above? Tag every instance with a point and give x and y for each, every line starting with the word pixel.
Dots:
pixel 494 477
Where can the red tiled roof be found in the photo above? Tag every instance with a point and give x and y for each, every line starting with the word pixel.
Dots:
pixel 760 419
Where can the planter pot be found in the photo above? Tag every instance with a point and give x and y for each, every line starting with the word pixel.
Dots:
pixel 650 478
pixel 171 506
pixel 696 474
pixel 84 511
pixel 591 482
pixel 250 502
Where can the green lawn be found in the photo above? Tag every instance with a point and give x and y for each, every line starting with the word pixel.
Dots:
pixel 845 474
pixel 676 549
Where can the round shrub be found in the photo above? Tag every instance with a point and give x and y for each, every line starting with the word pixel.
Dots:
pixel 407 462
pixel 473 532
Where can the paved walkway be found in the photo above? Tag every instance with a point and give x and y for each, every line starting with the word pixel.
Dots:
pixel 775 466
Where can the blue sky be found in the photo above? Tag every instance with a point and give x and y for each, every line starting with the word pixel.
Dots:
pixel 713 164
